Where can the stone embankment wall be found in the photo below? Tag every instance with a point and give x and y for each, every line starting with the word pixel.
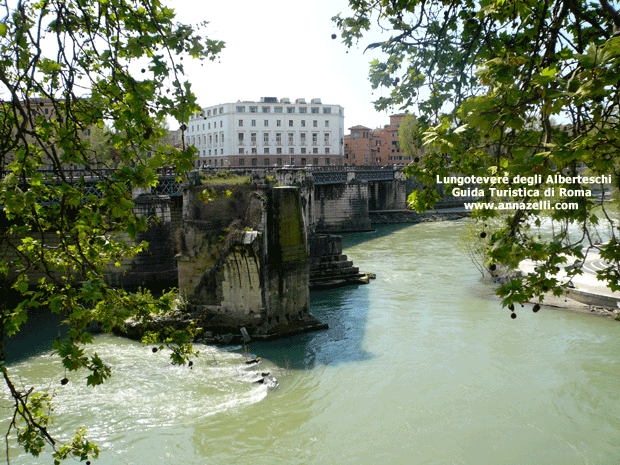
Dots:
pixel 243 261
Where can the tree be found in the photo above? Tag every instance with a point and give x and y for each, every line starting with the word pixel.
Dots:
pixel 488 77
pixel 66 68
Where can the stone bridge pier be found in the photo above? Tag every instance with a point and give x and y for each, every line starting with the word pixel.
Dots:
pixel 342 199
pixel 243 262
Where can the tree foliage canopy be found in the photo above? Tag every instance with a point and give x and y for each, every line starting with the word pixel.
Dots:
pixel 488 79
pixel 66 68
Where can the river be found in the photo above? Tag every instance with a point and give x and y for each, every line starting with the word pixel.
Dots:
pixel 421 366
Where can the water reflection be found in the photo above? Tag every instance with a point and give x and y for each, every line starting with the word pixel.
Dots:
pixel 345 310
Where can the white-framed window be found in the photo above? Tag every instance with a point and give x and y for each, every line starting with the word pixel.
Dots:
pixel 303 123
pixel 314 110
pixel 253 123
pixel 240 123
pixel 277 109
pixel 253 109
pixel 290 110
pixel 303 110
pixel 265 109
pixel 240 109
pixel 265 138
pixel 327 110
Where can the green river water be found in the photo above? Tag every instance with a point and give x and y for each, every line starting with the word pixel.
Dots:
pixel 421 366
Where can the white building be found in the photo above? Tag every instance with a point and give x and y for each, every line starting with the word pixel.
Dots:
pixel 269 132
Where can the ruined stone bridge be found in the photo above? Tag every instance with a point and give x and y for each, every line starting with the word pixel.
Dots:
pixel 248 259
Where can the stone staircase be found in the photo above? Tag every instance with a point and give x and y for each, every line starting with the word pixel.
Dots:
pixel 329 267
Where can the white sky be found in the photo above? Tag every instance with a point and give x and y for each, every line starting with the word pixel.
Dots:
pixel 282 48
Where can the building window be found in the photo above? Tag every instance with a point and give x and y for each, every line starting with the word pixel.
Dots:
pixel 314 110
pixel 253 123
pixel 266 123
pixel 326 138
pixel 279 123
pixel 291 151
pixel 241 138
pixel 315 150
pixel 265 138
pixel 303 123
pixel 241 162
pixel 302 137
pixel 208 112
pixel 290 123
pixel 326 123
pixel 303 110
pixel 291 140
pixel 327 151
pixel 303 150
pixel 290 110
pixel 277 110
pixel 303 161
pixel 241 151
pixel 315 161
pixel 266 150
pixel 279 161
pixel 315 124
pixel 253 109
pixel 221 110
pixel 266 162
pixel 278 138
pixel 209 125
pixel 221 124
pixel 240 123
pixel 327 110
pixel 279 150
pixel 315 138
pixel 254 162
pixel 327 161
pixel 265 109
pixel 254 151
pixel 253 137
pixel 240 109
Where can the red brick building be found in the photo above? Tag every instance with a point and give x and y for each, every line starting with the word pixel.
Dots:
pixel 380 147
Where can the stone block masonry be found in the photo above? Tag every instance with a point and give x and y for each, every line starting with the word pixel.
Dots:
pixel 243 262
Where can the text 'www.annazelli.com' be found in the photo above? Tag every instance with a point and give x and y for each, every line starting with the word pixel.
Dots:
pixel 540 205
